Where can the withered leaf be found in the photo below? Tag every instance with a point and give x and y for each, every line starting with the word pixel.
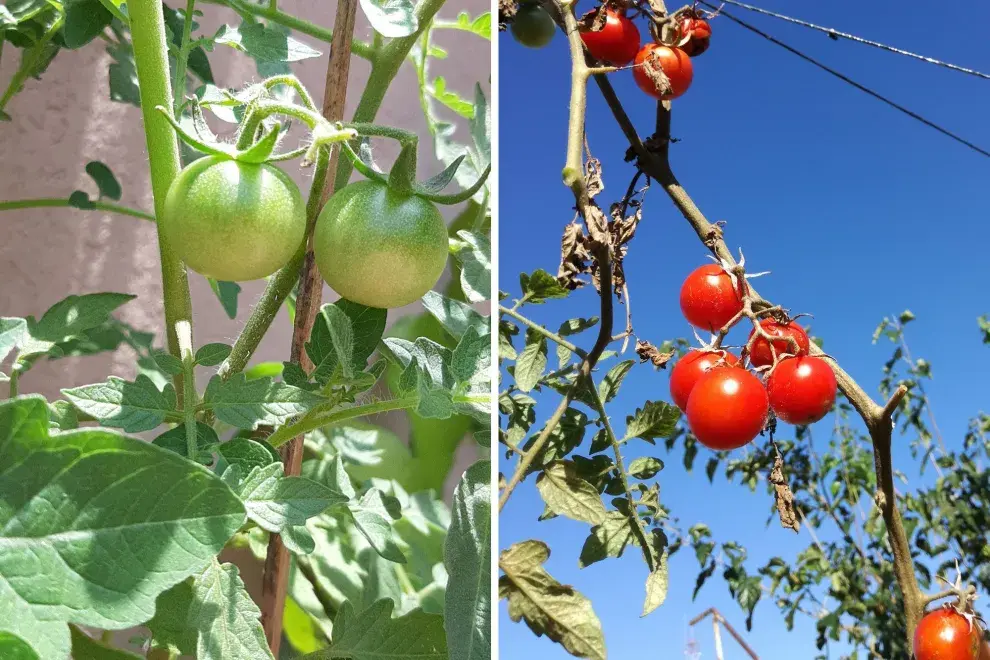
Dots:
pixel 647 351
pixel 574 257
pixel 783 496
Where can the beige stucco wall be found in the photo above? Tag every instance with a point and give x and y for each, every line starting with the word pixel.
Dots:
pixel 67 119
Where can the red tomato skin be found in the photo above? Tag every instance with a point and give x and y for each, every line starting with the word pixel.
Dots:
pixel 945 634
pixel 801 389
pixel 759 354
pixel 727 408
pixel 690 368
pixel 708 299
pixel 699 35
pixel 674 62
pixel 617 43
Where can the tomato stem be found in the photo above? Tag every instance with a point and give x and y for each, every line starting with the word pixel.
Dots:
pixel 316 418
pixel 58 202
pixel 151 60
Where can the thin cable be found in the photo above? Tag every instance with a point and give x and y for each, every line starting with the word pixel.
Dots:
pixel 835 34
pixel 855 84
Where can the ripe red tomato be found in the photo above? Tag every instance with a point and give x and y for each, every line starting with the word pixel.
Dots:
pixel 696 34
pixel 616 43
pixel 693 366
pixel 708 299
pixel 945 634
pixel 801 389
pixel 759 353
pixel 728 408
pixel 673 61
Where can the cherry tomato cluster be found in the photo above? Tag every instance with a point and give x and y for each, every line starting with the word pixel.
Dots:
pixel 947 634
pixel 618 43
pixel 726 404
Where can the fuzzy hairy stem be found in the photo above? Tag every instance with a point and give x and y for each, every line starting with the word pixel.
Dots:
pixel 276 576
pixel 877 418
pixel 51 202
pixel 151 60
pixel 318 418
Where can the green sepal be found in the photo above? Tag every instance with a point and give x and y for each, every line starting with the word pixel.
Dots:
pixel 402 178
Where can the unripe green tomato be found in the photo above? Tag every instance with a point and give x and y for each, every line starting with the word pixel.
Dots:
pixel 379 247
pixel 532 26
pixel 233 221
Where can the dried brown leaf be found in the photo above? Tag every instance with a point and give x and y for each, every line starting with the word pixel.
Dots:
pixel 593 177
pixel 647 351
pixel 594 20
pixel 574 257
pixel 506 13
pixel 783 496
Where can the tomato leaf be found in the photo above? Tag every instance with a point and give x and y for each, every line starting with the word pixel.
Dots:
pixel 455 316
pixel 175 440
pixel 567 494
pixel 373 520
pixel 531 363
pixel 248 404
pixel 274 501
pixel 105 180
pixel 474 254
pixel 85 647
pixel 246 453
pixel 263 43
pixel 540 287
pixel 131 406
pixel 227 621
pixel 84 21
pixel 452 100
pixel 656 587
pixel 472 358
pixel 210 355
pixel 374 633
pixel 607 539
pixel 391 18
pixel 226 293
pixel 549 608
pixel 656 419
pixel 68 552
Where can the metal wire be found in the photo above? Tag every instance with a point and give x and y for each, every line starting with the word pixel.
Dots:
pixel 835 34
pixel 852 82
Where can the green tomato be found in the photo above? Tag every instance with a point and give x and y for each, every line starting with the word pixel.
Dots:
pixel 233 221
pixel 378 247
pixel 532 26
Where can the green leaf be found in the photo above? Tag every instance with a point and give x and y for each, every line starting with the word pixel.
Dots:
pixel 84 21
pixel 168 363
pixel 481 26
pixel 210 355
pixel 434 402
pixel 453 315
pixel 74 561
pixel 345 330
pixel 300 628
pixel 263 43
pixel 656 587
pixel 85 647
pixel 540 287
pixel 133 407
pixel 226 293
pixel 123 75
pixel 391 18
pixel 452 100
pixel 248 404
pixel 246 453
pixel 656 419
pixel 13 332
pixel 275 502
pixel 906 317
pixel 531 364
pixel 175 440
pixel 170 626
pixel 609 387
pixel 645 467
pixel 15 648
pixel 227 620
pixel 432 358
pixel 607 539
pixel 373 520
pixel 568 494
pixel 467 557
pixel 105 180
pixel 475 259
pixel 373 634
pixel 550 608
pixel 472 358
pixel 71 317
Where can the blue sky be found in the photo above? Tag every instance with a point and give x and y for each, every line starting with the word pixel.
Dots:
pixel 858 211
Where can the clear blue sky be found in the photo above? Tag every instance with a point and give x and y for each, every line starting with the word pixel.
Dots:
pixel 858 210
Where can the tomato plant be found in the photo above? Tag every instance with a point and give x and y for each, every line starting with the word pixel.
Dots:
pixel 234 221
pixel 673 62
pixel 616 43
pixel 801 389
pixel 710 298
pixel 945 634
pixel 760 353
pixel 217 505
pixel 379 247
pixel 727 408
pixel 532 26
pixel 690 368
